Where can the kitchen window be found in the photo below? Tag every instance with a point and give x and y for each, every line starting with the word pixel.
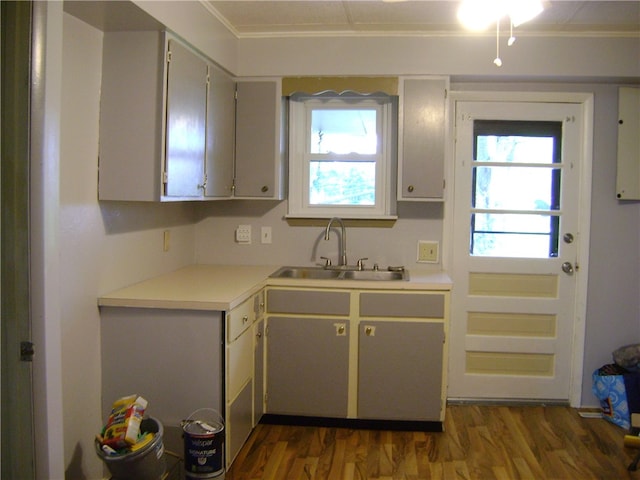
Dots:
pixel 342 150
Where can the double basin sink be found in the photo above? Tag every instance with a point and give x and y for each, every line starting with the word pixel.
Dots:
pixel 340 273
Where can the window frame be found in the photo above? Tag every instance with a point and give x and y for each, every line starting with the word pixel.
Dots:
pixel 300 157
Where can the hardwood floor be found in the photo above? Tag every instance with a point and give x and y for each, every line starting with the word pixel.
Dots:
pixel 479 442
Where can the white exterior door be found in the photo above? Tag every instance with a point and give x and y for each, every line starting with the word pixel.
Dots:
pixel 517 258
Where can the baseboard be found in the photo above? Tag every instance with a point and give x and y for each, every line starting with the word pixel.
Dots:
pixel 354 423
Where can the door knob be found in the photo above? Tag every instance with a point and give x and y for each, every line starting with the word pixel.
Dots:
pixel 567 268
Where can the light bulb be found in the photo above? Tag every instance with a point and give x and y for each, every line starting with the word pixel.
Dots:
pixel 479 15
pixel 524 10
pixel 498 62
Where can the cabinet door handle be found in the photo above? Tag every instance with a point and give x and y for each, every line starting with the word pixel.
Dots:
pixel 370 331
pixel 259 334
pixel 410 188
pixel 245 318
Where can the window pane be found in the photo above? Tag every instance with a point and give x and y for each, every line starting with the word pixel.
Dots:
pixel 513 235
pixel 342 183
pixel 510 245
pixel 514 149
pixel 343 131
pixel 516 188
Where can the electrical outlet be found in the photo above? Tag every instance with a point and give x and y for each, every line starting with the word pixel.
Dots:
pixel 428 251
pixel 166 239
pixel 243 234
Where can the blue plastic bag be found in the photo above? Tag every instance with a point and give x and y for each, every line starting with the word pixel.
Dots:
pixel 610 390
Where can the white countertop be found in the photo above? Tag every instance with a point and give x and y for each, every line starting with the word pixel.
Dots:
pixel 223 287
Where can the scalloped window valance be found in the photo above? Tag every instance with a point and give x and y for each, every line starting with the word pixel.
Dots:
pixel 314 85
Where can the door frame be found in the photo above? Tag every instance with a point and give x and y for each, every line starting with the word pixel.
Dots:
pixel 586 101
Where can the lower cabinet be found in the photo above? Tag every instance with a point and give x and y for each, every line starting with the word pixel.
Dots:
pixel 399 370
pixel 258 369
pixel 243 372
pixel 357 354
pixel 308 362
pixel 173 358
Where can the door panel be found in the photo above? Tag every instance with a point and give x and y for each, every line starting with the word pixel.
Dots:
pixel 400 370
pixel 513 316
pixel 18 449
pixel 307 362
pixel 186 119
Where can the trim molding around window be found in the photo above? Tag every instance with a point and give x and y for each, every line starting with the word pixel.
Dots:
pixel 342 155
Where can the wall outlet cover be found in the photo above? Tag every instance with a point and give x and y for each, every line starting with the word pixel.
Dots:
pixel 243 234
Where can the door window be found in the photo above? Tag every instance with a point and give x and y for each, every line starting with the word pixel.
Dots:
pixel 515 209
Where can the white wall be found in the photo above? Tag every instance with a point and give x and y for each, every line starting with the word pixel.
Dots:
pixel 192 20
pixel 469 56
pixel 304 245
pixel 102 246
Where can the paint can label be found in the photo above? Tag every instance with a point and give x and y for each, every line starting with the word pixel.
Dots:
pixel 203 448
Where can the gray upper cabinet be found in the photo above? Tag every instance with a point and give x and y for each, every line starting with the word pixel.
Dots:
pixel 628 172
pixel 259 140
pixel 186 122
pixel 422 139
pixel 167 120
pixel 132 116
pixel 221 114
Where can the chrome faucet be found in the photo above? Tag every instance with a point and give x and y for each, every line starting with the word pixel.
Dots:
pixel 343 239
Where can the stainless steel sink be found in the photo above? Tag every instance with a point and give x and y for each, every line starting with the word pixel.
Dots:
pixel 313 273
pixel 379 275
pixel 321 273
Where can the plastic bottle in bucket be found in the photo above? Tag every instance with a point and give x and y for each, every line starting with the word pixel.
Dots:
pixel 204 444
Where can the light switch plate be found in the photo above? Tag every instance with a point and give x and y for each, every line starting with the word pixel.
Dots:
pixel 265 235
pixel 428 251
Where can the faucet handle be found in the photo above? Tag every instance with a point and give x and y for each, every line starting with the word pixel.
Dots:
pixel 327 261
pixel 361 262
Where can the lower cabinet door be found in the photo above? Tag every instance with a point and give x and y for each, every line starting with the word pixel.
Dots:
pixel 239 421
pixel 258 372
pixel 400 370
pixel 307 366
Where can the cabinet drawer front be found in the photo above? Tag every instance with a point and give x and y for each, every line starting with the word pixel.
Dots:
pixel 313 302
pixel 239 319
pixel 418 305
pixel 239 364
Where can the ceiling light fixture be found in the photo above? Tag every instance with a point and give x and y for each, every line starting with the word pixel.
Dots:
pixel 478 15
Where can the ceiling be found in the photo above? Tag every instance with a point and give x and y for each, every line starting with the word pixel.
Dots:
pixel 256 18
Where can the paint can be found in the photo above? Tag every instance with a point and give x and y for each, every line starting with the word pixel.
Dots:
pixel 204 444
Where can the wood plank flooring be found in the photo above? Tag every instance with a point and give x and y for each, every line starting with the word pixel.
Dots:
pixel 479 442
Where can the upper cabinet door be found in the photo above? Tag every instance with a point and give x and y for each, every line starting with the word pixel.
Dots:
pixel 132 116
pixel 628 172
pixel 259 155
pixel 186 120
pixel 421 162
pixel 221 117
